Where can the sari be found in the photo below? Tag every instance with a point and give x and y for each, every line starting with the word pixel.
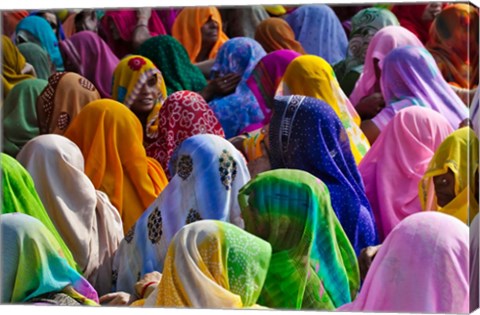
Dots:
pixel 37 56
pixel 312 76
pixel 187 30
pixel 275 34
pixel 399 158
pixel 240 109
pixel 458 153
pixel 183 115
pixel 88 55
pixel 62 99
pixel 10 19
pixel 319 31
pixel 33 263
pixel 306 134
pixel 171 58
pixel 212 264
pixel 13 62
pixel 474 264
pixel 110 138
pixel 475 112
pixel 410 17
pixel 19 117
pixel 83 216
pixel 313 264
pixel 410 77
pixel 382 43
pixel 422 267
pixel 19 195
pixel 207 174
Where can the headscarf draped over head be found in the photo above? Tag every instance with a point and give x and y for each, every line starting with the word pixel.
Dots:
pixel 208 171
pixel 36 29
pixel 61 100
pixel 10 19
pixel 110 138
pixel 275 34
pixel 459 154
pixel 319 31
pixel 37 56
pixel 306 134
pixel 399 269
pixel 171 58
pixel 13 62
pixel 87 54
pixel 399 158
pixel 187 30
pixel 32 263
pixel 313 264
pixel 312 76
pixel 183 115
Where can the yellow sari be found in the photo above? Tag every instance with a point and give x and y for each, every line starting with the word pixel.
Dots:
pixel 13 63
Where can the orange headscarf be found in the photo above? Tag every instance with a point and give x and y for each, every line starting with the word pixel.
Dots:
pixel 11 19
pixel 110 138
pixel 275 34
pixel 13 63
pixel 187 30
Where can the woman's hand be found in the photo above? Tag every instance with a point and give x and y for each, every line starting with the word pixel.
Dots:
pixel 366 258
pixel 369 106
pixel 117 299
pixel 221 86
pixel 147 284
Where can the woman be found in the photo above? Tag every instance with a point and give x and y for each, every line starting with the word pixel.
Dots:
pixel 37 56
pixel 422 267
pixel 10 20
pixel 19 115
pixel 83 216
pixel 319 31
pixel 364 25
pixel 448 184
pixel 207 174
pixel 399 158
pixel 312 76
pixel 238 110
pixel 306 134
pixel 313 264
pixel 475 264
pixel 110 138
pixel 61 100
pixel 242 21
pixel 183 115
pixel 275 34
pixel 88 55
pixel 139 85
pixel 33 269
pixel 14 66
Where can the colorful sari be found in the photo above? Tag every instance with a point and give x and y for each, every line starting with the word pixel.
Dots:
pixel 275 34
pixel 399 158
pixel 313 264
pixel 110 138
pixel 13 63
pixel 37 56
pixel 474 264
pixel 306 134
pixel 10 19
pixel 475 113
pixel 410 17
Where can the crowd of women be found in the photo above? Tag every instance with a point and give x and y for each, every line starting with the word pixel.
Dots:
pixel 320 157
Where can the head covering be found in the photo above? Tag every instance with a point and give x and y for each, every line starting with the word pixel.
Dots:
pixel 422 267
pixel 13 63
pixel 399 158
pixel 313 264
pixel 129 77
pixel 459 154
pixel 238 110
pixel 83 216
pixel 212 264
pixel 37 56
pixel 19 115
pixel 187 30
pixel 168 15
pixel 306 134
pixel 69 25
pixel 454 44
pixel 474 264
pixel 275 34
pixel 32 263
pixel 410 17
pixel 410 77
pixel 62 99
pixel 110 138
pixel 208 171
pixel 36 29
pixel 319 31
pixel 19 195
pixel 312 76
pixel 171 58
pixel 383 42
pixel 10 20
pixel 88 55
pixel 183 114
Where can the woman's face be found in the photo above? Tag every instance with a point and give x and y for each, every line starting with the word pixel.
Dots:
pixel 431 11
pixel 444 188
pixel 147 97
pixel 209 32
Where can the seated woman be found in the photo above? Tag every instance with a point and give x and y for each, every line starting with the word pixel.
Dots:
pixel 422 267
pixel 275 34
pixel 313 264
pixel 52 18
pixel 14 66
pixel 38 57
pixel 33 269
pixel 207 174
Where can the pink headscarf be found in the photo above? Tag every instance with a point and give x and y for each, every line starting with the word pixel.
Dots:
pixel 384 41
pixel 394 165
pixel 422 267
